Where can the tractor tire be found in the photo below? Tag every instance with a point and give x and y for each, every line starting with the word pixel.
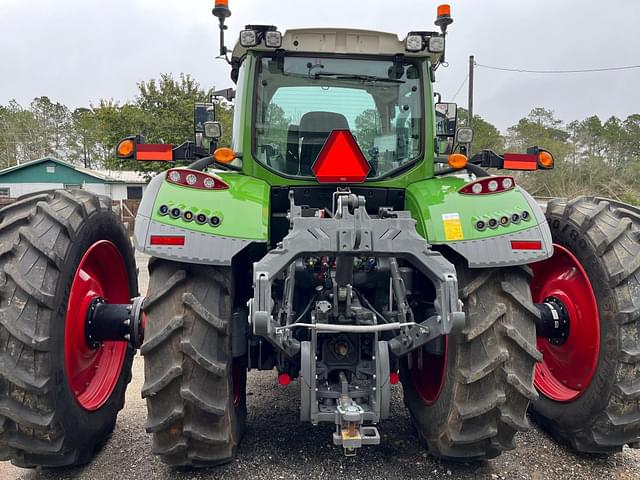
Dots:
pixel 195 390
pixel 469 401
pixel 59 398
pixel 596 270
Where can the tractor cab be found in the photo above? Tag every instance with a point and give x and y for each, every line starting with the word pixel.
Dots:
pixel 303 85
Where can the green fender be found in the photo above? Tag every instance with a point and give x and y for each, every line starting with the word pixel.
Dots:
pixel 443 215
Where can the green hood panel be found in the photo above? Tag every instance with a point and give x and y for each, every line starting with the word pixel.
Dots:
pixel 443 215
pixel 243 208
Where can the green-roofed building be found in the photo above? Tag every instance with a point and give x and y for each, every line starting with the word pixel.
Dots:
pixel 50 173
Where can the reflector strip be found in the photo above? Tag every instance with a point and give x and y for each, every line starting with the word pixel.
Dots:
pixel 149 152
pixel 520 161
pixel 167 240
pixel 526 245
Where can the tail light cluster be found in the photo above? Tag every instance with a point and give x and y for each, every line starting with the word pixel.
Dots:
pixel 189 216
pixel 195 179
pixel 489 185
pixel 503 220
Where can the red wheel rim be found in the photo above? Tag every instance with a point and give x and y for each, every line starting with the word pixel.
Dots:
pixel 567 370
pixel 92 374
pixel 429 380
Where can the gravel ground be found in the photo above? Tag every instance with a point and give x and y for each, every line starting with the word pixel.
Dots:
pixel 276 445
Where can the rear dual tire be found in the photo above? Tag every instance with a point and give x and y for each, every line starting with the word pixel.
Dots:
pixel 601 239
pixel 59 398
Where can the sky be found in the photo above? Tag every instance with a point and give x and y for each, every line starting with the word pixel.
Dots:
pixel 79 51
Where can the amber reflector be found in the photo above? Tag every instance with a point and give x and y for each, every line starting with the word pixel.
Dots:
pixel 457 160
pixel 545 159
pixel 125 148
pixel 224 155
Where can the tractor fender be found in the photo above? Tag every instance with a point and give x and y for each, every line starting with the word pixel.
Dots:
pixel 444 216
pixel 241 212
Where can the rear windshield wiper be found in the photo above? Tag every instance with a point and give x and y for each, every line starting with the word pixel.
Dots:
pixel 364 78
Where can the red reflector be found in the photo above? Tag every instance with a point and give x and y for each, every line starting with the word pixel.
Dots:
pixel 394 378
pixel 526 245
pixel 168 240
pixel 341 160
pixel 150 152
pixel 284 379
pixel 520 161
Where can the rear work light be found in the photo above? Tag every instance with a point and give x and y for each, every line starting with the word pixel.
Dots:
pixel 489 185
pixel 195 179
pixel 414 42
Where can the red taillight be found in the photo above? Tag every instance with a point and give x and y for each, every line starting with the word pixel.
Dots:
pixel 284 379
pixel 526 245
pixel 341 160
pixel 195 179
pixel 167 240
pixel 488 185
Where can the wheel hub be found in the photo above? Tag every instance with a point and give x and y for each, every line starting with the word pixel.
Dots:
pixel 562 286
pixel 114 322
pixel 553 322
pixel 93 368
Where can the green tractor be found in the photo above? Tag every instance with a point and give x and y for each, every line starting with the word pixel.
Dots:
pixel 344 240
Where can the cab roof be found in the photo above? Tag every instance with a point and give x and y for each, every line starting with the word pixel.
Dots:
pixel 340 41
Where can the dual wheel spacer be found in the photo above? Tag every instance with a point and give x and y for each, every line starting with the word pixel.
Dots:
pixel 102 322
pixel 567 301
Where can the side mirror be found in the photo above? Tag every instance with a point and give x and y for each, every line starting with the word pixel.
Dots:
pixel 464 135
pixel 213 130
pixel 202 113
pixel 446 119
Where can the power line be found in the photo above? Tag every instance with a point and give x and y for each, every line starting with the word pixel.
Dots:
pixel 460 87
pixel 586 70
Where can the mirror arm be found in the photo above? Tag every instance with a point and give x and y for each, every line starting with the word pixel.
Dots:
pixel 487 159
pixel 188 151
pixel 201 163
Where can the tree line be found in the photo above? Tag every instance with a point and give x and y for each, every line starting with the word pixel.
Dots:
pixel 162 111
pixel 592 156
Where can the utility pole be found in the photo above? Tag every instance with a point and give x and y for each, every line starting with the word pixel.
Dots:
pixel 470 104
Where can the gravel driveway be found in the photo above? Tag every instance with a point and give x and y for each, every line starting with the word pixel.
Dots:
pixel 277 445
